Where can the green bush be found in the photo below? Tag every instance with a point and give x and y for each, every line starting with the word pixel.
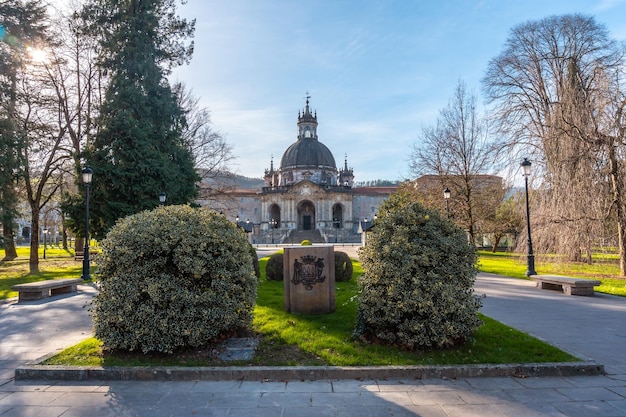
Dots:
pixel 343 267
pixel 255 261
pixel 274 267
pixel 173 277
pixel 306 242
pixel 418 274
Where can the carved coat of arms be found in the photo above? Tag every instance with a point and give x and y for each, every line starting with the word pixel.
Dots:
pixel 308 272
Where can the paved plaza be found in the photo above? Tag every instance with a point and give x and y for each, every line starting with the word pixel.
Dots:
pixel 593 328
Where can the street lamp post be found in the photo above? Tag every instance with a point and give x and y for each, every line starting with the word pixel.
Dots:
pixel 531 257
pixel 365 232
pixel 162 197
pixel 336 226
pixel 87 175
pixel 446 196
pixel 45 241
pixel 273 223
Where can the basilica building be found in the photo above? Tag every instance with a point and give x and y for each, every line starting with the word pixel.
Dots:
pixel 307 195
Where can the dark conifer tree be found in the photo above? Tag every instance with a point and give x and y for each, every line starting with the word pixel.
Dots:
pixel 138 151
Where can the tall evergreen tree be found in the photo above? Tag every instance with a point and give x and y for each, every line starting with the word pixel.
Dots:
pixel 138 151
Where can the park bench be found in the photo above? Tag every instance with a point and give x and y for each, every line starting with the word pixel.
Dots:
pixel 43 289
pixel 570 286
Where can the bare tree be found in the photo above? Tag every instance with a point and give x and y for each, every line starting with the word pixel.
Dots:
pixel 212 154
pixel 557 95
pixel 458 150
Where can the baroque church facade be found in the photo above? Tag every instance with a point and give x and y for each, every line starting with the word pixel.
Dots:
pixel 307 193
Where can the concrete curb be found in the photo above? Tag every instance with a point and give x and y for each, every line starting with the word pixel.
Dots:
pixel 300 373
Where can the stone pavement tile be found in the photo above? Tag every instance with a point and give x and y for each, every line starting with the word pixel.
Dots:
pixel 402 385
pixel 590 394
pixel 615 369
pixel 618 377
pixel 87 399
pixel 187 399
pixel 620 405
pixel 419 410
pixel 25 386
pixel 241 399
pixel 545 382
pixel 175 386
pixel 254 386
pixel 444 384
pixel 589 409
pixel 594 381
pixel 472 410
pixel 350 385
pixel 7 373
pixel 309 386
pixel 347 410
pixel 322 411
pixel 284 399
pixel 386 398
pixel 337 399
pixel 255 412
pixel 484 396
pixel 30 398
pixel 538 409
pixel 215 386
pixel 83 411
pixel 494 383
pixel 36 411
pixel 619 390
pixel 530 395
pixel 75 386
pixel 135 398
pixel 435 397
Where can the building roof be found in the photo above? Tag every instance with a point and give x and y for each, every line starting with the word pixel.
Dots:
pixel 385 190
pixel 308 153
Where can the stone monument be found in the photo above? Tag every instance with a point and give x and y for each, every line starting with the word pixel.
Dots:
pixel 309 279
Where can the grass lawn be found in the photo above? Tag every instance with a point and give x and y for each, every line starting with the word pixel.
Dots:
pixel 289 339
pixel 604 269
pixel 59 263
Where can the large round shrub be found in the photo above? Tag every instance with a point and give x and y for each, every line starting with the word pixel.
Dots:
pixel 419 270
pixel 343 267
pixel 274 267
pixel 173 277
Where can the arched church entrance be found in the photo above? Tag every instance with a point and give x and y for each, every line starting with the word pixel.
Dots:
pixel 338 216
pixel 274 216
pixel 306 215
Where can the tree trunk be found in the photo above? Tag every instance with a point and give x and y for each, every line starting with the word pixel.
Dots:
pixel 34 242
pixel 497 237
pixel 616 184
pixel 10 252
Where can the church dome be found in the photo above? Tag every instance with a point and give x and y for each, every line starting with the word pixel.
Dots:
pixel 308 153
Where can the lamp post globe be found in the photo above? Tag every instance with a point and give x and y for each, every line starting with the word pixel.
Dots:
pixel 162 197
pixel 446 196
pixel 530 259
pixel 87 175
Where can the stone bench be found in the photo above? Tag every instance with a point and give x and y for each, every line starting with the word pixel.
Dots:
pixel 43 289
pixel 570 286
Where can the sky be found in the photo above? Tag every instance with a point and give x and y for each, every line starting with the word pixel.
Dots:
pixel 377 71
